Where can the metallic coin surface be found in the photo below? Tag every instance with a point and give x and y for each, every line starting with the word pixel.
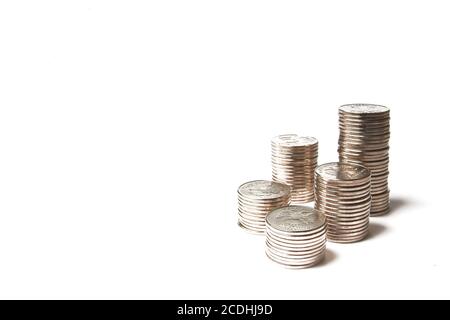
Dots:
pixel 342 172
pixel 343 195
pixel 295 236
pixel 293 140
pixel 295 219
pixel 294 159
pixel 364 134
pixel 256 199
pixel 263 189
pixel 363 108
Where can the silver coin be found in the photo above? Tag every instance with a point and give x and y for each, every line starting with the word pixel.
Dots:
pixel 380 202
pixel 294 162
pixel 295 254
pixel 334 185
pixel 297 245
pixel 342 172
pixel 348 237
pixel 251 230
pixel 253 212
pixel 329 192
pixel 364 108
pixel 294 244
pixel 262 205
pixel 343 211
pixel 251 218
pixel 380 213
pixel 337 197
pixel 332 220
pixel 294 260
pixel 363 123
pixel 295 219
pixel 348 201
pixel 341 228
pixel 262 189
pixel 253 221
pixel 363 145
pixel 346 117
pixel 352 239
pixel 382 153
pixel 294 151
pixel 292 256
pixel 296 236
pixel 298 250
pixel 299 266
pixel 293 140
pixel 300 201
pixel 291 261
pixel 338 218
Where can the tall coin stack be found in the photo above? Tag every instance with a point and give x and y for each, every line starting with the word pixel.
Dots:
pixel 294 159
pixel 364 139
pixel 256 199
pixel 295 236
pixel 342 193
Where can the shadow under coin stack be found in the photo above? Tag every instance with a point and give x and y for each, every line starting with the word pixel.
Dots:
pixel 256 199
pixel 296 236
pixel 294 159
pixel 364 139
pixel 342 193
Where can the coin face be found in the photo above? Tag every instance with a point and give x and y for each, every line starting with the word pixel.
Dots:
pixel 295 219
pixel 342 171
pixel 293 140
pixel 262 189
pixel 363 108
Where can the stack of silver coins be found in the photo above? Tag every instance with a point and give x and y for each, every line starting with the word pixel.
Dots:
pixel 294 160
pixel 256 199
pixel 296 236
pixel 342 193
pixel 364 139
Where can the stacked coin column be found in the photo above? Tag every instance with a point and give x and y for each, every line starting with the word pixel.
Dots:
pixel 364 139
pixel 294 160
pixel 256 199
pixel 342 193
pixel 295 236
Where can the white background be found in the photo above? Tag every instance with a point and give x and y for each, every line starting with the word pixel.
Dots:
pixel 127 126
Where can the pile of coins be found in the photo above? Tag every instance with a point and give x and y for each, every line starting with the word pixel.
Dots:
pixel 364 139
pixel 342 193
pixel 294 160
pixel 256 199
pixel 295 236
pixel 346 193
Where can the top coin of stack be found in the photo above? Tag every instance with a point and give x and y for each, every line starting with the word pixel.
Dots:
pixel 256 199
pixel 294 160
pixel 364 139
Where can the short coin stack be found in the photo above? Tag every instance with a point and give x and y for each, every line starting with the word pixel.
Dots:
pixel 342 193
pixel 364 139
pixel 296 236
pixel 294 159
pixel 256 199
